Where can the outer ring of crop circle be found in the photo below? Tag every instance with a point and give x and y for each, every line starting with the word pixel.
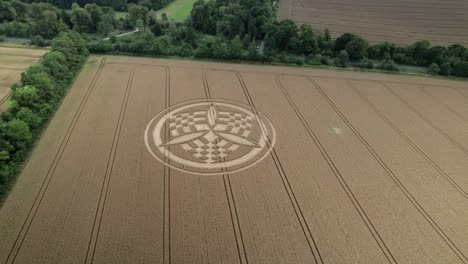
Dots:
pixel 271 139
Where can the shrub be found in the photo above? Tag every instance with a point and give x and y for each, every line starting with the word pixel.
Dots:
pixel 388 65
pixel 460 69
pixel 446 68
pixel 341 59
pixel 434 69
pixel 366 63
pixel 38 41
pixel 326 60
pixel 314 59
pixel 357 48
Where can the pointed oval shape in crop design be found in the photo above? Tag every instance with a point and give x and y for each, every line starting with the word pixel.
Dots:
pixel 212 116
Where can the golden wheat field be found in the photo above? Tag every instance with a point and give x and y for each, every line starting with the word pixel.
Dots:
pixel 168 161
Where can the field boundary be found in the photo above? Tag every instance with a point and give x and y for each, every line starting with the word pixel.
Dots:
pixel 45 184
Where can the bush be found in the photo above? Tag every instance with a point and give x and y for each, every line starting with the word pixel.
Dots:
pixel 326 60
pixel 38 41
pixel 388 65
pixel 341 59
pixel 314 59
pixel 366 63
pixel 434 69
pixel 460 69
pixel 357 48
pixel 446 68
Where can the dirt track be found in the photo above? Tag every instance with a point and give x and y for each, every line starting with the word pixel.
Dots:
pixel 400 22
pixel 367 168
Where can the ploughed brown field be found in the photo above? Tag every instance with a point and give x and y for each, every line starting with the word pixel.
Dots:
pixel 13 61
pixel 359 168
pixel 397 21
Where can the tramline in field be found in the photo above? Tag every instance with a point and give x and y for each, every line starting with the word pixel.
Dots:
pixel 166 161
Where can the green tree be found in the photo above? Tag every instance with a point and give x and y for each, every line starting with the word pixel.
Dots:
pixel 253 53
pixel 37 77
pixel 21 10
pixel 460 69
pixel 341 59
pixel 307 41
pixel 17 134
pixel 418 51
pixel 106 25
pixel 357 48
pixel 95 13
pixel 434 69
pixel 81 19
pixel 388 65
pixel 33 120
pixel 26 96
pixel 366 63
pixel 220 49
pixel 56 66
pixel 7 12
pixel 46 24
pixel 138 13
pixel 435 54
pixel 325 41
pixel 235 48
pixel 342 41
pixel 446 68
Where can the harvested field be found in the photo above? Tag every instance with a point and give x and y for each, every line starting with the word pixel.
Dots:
pixel 401 22
pixel 166 161
pixel 13 61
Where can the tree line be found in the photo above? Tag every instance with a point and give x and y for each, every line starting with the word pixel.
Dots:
pixel 118 5
pixel 222 29
pixel 45 21
pixel 248 30
pixel 33 101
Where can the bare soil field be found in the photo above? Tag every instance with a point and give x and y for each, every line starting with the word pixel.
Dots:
pixel 13 61
pixel 401 22
pixel 167 161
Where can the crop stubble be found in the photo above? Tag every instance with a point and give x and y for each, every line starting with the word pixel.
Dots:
pixel 350 179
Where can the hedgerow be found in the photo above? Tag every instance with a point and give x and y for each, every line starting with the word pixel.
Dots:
pixel 33 101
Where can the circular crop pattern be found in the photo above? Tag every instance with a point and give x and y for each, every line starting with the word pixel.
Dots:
pixel 210 136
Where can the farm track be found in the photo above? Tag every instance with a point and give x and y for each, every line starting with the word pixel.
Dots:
pixel 362 171
pixel 396 21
